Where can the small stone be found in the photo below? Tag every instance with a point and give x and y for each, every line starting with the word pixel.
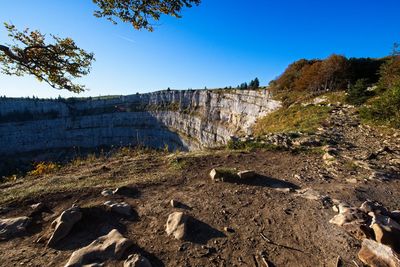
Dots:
pixel 375 207
pixel 177 225
pixel 352 181
pixel 349 216
pixel 247 174
pixel 13 227
pixel 387 236
pixel 126 191
pixel 109 247
pixel 122 208
pixel 284 190
pixel 136 260
pixel 310 194
pixel 174 203
pixel 375 254
pixel 223 175
pixel 229 230
pixel 107 192
pixel 37 207
pixel 63 224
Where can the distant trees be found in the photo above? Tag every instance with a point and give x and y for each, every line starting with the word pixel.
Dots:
pixel 254 84
pixel 334 73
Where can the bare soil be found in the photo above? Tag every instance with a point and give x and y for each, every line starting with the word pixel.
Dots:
pixel 289 230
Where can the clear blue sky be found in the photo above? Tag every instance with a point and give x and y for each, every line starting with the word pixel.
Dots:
pixel 219 43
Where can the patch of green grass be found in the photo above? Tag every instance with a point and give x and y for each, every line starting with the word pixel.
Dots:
pixel 295 118
pixel 383 110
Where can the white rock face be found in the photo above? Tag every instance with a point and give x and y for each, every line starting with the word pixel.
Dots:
pixel 183 120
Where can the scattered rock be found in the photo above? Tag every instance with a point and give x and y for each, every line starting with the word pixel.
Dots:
pixel 63 224
pixel 352 180
pixel 223 175
pixel 350 216
pixel 284 190
pixel 107 192
pixel 136 260
pixel 122 208
pixel 229 230
pixel 109 247
pixel 177 225
pixel 247 174
pixel 395 215
pixel 375 207
pixel 375 254
pixel 126 191
pixel 310 194
pixel 384 221
pixel 13 227
pixel 37 207
pixel 174 203
pixel 387 236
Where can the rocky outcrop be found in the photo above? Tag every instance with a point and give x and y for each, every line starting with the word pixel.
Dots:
pixel 13 227
pixel 109 247
pixel 178 119
pixel 63 224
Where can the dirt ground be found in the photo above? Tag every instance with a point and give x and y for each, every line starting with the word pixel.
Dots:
pixel 287 229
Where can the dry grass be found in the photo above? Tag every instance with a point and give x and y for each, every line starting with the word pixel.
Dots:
pixel 292 119
pixel 123 168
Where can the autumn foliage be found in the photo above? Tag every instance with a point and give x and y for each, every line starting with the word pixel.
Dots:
pixel 332 74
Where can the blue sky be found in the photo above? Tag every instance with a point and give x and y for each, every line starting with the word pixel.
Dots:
pixel 219 43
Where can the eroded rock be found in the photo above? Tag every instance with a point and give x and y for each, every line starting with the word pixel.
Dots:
pixel 177 225
pixel 109 247
pixel 122 208
pixel 63 224
pixel 136 260
pixel 13 227
pixel 375 254
pixel 223 175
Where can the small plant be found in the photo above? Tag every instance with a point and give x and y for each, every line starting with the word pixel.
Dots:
pixel 358 93
pixel 42 168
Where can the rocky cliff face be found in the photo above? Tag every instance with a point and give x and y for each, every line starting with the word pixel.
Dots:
pixel 178 119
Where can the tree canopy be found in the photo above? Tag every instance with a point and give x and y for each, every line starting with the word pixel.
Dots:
pixel 55 63
pixel 59 62
pixel 141 13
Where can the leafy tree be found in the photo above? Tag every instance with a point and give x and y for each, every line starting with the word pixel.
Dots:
pixel 358 93
pixel 141 13
pixel 55 63
pixel 390 70
pixel 60 61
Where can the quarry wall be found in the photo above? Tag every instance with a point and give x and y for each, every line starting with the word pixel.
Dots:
pixel 185 120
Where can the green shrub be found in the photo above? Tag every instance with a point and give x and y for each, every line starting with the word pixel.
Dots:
pixel 385 109
pixel 358 93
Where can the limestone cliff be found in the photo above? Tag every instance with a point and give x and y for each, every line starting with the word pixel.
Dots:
pixel 178 119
